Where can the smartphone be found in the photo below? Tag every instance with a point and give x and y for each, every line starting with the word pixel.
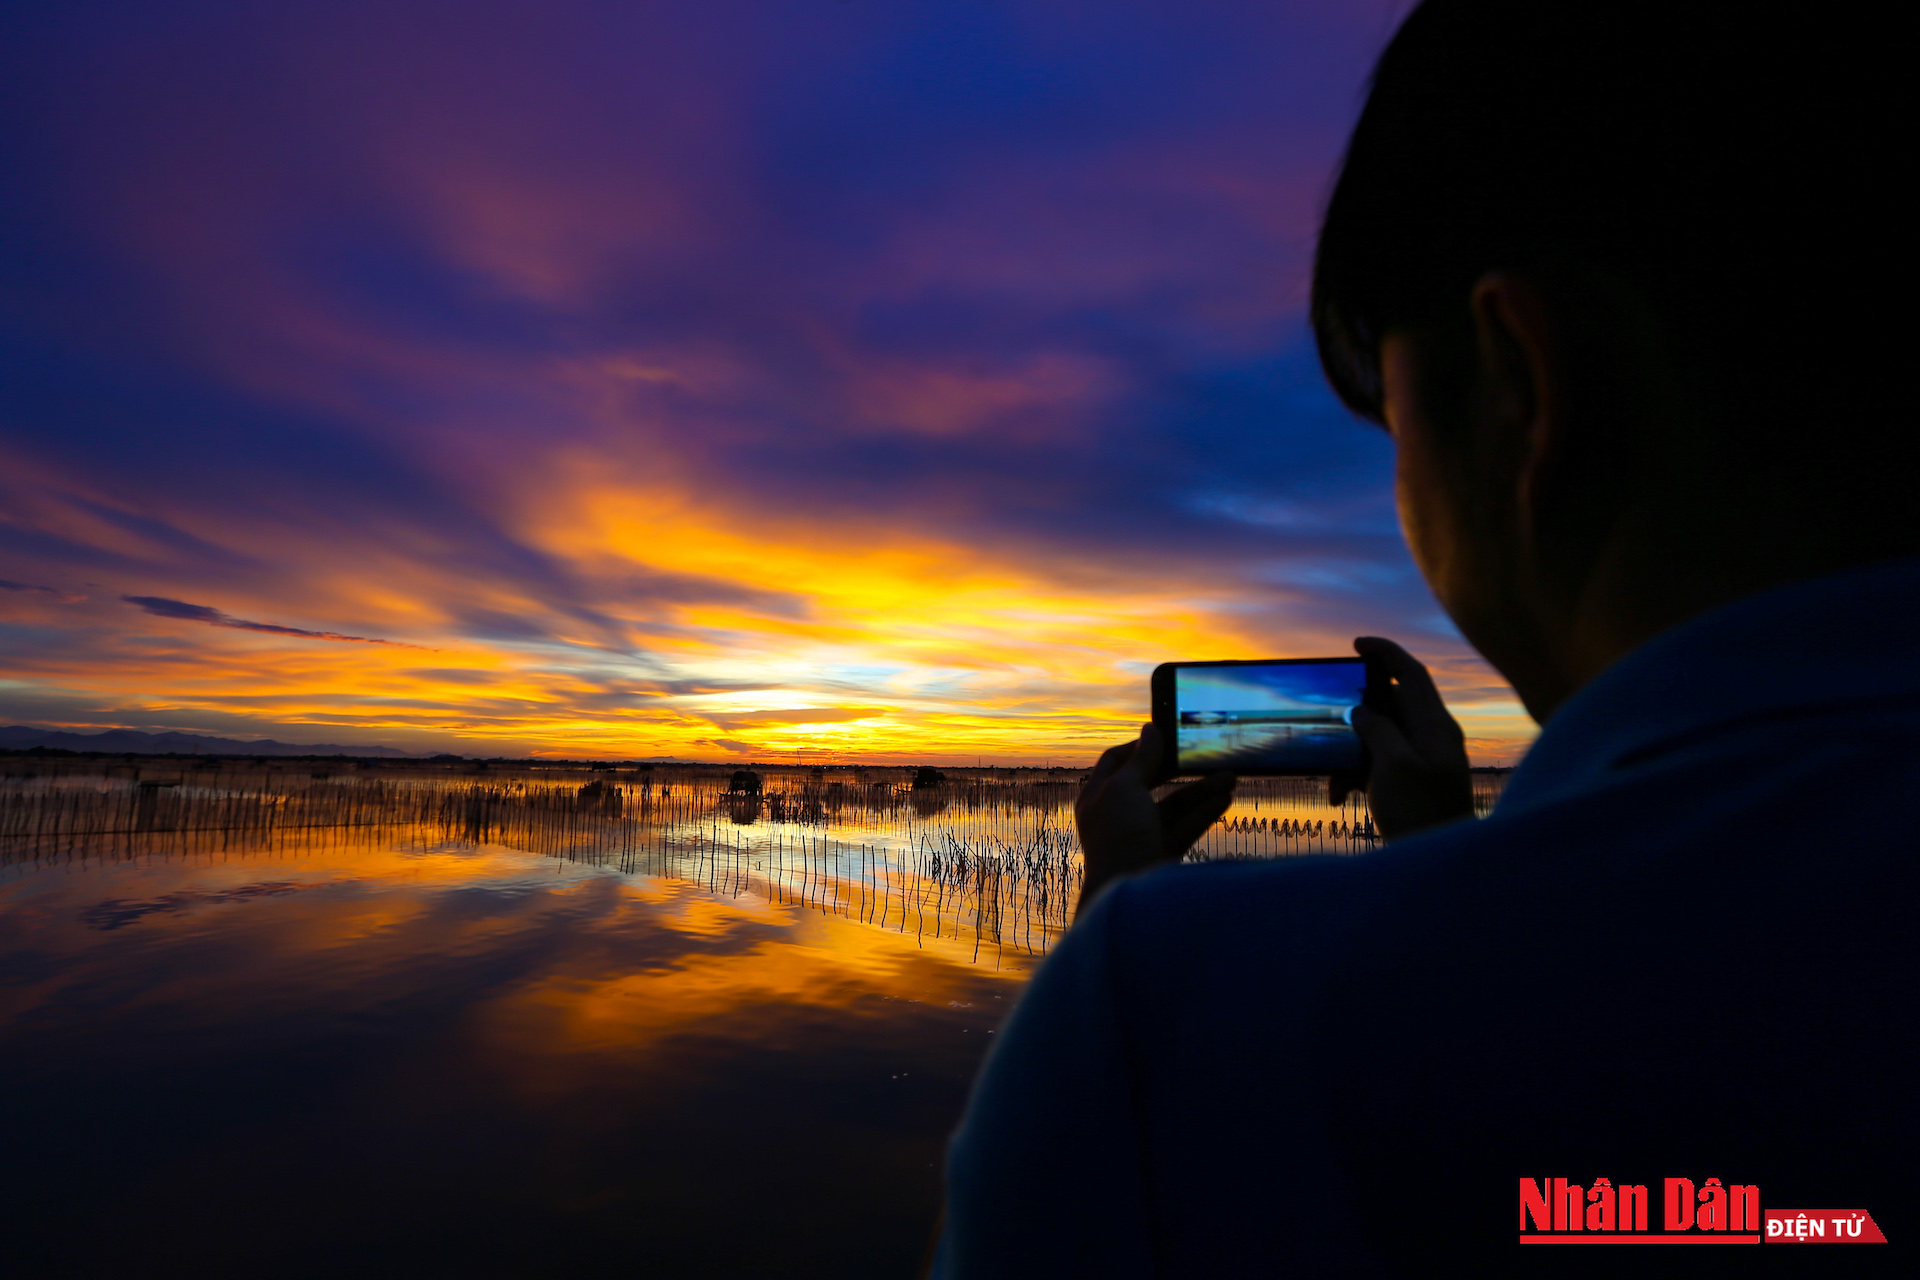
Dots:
pixel 1279 716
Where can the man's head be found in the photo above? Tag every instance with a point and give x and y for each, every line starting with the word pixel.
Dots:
pixel 1618 278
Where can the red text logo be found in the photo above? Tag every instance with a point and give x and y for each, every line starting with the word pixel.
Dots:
pixel 1563 1212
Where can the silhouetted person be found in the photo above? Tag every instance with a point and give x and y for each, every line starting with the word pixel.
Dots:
pixel 1620 280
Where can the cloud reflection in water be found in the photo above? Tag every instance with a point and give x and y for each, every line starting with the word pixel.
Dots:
pixel 467 1060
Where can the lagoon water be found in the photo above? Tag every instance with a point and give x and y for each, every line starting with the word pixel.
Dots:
pixel 255 1021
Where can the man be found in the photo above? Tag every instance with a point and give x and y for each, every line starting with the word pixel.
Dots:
pixel 1616 278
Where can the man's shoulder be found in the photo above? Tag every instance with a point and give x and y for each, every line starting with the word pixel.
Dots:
pixel 1738 817
pixel 1283 904
pixel 1197 951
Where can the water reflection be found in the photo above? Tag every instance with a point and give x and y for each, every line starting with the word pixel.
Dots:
pixel 989 856
pixel 334 1019
pixel 359 1056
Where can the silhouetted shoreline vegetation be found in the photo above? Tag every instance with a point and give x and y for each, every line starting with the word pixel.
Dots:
pixel 986 856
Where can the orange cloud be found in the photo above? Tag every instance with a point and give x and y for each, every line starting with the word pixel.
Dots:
pixel 794 640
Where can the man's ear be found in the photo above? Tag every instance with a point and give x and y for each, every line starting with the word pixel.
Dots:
pixel 1520 386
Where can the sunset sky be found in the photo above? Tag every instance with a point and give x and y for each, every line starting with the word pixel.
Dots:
pixel 717 379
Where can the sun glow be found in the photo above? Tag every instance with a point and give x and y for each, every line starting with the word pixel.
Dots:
pixel 668 625
pixel 646 465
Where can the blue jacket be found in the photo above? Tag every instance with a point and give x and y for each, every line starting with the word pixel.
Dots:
pixel 1683 946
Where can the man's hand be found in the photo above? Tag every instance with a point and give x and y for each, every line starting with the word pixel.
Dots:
pixel 1420 776
pixel 1124 829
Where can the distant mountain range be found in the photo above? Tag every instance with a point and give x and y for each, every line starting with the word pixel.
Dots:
pixel 20 737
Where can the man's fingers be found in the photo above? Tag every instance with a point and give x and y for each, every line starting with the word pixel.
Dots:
pixel 1422 711
pixel 1144 763
pixel 1186 814
pixel 1383 737
pixel 1110 762
pixel 1408 671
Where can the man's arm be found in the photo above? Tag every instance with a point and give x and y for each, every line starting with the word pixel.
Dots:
pixel 1046 1176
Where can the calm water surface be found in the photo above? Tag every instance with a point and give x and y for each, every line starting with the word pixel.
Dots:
pixel 268 1019
pixel 359 1057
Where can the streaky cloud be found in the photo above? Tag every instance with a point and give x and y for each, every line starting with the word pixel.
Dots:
pixel 946 359
pixel 161 607
pixel 28 588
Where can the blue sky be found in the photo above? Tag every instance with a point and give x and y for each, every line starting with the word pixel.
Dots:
pixel 1262 688
pixel 744 380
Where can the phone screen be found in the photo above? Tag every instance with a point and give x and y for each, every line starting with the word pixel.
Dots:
pixel 1267 717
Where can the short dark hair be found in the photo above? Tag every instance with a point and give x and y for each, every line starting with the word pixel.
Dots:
pixel 1726 160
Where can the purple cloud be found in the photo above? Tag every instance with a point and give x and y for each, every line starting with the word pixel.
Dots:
pixel 321 310
pixel 28 588
pixel 161 607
